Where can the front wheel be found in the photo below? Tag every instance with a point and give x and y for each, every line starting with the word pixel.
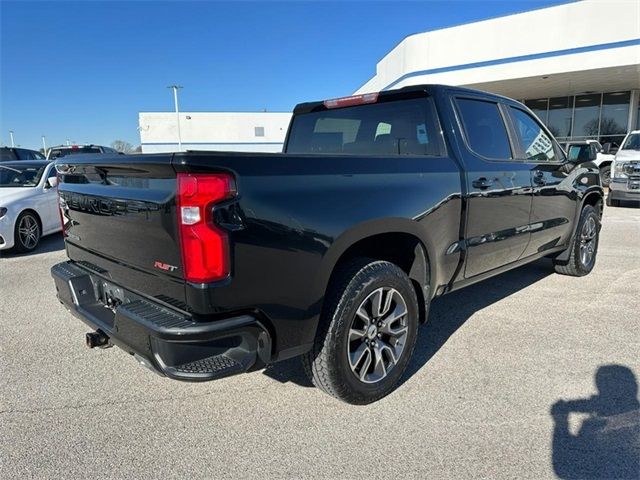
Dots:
pixel 366 334
pixel 27 232
pixel 584 247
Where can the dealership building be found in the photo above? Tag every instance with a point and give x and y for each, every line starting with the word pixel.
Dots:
pixel 576 65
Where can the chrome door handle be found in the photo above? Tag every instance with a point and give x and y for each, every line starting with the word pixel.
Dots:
pixel 482 183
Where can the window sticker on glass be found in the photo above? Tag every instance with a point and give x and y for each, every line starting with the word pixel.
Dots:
pixel 421 131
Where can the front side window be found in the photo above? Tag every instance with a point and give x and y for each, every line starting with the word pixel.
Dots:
pixel 539 107
pixel 400 127
pixel 484 128
pixel 537 145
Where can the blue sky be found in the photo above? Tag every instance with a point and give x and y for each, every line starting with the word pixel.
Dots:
pixel 83 70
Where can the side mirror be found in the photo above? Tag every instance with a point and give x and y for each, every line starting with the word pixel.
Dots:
pixel 606 148
pixel 51 182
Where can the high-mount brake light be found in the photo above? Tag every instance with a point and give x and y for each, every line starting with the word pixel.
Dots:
pixel 204 246
pixel 352 100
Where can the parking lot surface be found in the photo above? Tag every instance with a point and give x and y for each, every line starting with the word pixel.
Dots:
pixel 490 365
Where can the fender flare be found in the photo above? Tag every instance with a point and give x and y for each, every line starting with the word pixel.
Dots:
pixel 422 269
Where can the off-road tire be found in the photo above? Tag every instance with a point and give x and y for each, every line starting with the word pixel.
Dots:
pixel 327 364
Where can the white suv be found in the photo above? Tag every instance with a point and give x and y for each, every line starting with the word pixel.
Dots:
pixel 625 171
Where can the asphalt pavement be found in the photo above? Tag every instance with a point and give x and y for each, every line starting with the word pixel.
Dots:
pixel 491 365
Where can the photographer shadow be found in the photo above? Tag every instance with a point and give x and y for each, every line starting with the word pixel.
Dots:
pixel 607 443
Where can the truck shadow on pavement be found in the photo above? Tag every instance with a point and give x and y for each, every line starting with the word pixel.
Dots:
pixel 607 442
pixel 447 315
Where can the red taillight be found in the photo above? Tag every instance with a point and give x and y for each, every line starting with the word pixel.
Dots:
pixel 59 178
pixel 352 100
pixel 205 247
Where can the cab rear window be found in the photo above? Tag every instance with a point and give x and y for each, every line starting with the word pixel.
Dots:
pixel 72 151
pixel 402 127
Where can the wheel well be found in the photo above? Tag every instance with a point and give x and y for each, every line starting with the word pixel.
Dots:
pixel 605 164
pixel 404 250
pixel 35 214
pixel 595 200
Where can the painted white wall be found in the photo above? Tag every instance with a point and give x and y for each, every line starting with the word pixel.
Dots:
pixel 223 131
pixel 575 25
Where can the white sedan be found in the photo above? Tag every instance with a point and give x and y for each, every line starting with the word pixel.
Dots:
pixel 28 203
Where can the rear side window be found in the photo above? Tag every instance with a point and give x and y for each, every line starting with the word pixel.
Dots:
pixel 402 127
pixel 484 128
pixel 6 154
pixel 537 145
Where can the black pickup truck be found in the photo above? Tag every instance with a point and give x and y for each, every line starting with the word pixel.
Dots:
pixel 208 264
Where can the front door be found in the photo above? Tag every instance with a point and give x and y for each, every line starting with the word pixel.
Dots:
pixel 554 203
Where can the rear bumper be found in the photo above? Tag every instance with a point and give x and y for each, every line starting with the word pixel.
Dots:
pixel 166 340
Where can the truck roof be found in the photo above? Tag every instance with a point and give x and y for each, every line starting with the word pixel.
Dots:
pixel 410 90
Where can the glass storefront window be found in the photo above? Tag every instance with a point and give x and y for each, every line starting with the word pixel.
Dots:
pixel 559 118
pixel 602 116
pixel 539 107
pixel 586 119
pixel 615 113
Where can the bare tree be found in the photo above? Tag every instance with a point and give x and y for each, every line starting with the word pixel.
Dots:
pixel 122 146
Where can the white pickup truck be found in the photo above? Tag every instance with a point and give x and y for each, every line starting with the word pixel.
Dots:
pixel 585 149
pixel 625 171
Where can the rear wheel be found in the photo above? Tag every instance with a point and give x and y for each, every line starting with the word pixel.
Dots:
pixel 584 248
pixel 366 334
pixel 27 232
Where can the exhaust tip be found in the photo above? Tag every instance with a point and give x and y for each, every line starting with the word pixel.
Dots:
pixel 96 339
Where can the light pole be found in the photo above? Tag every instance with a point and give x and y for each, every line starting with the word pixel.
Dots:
pixel 11 135
pixel 44 146
pixel 175 101
pixel 68 142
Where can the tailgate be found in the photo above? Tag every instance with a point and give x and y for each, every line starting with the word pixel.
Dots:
pixel 120 216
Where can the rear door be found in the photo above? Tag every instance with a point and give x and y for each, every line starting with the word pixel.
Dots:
pixel 554 203
pixel 499 187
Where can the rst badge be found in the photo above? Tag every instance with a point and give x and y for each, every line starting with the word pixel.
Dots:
pixel 165 266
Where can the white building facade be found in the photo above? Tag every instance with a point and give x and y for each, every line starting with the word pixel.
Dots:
pixel 226 131
pixel 577 65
